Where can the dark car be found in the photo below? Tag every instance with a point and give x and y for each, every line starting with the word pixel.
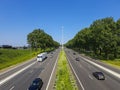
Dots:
pixel 99 75
pixel 36 84
pixel 74 53
pixel 77 59
pixel 51 52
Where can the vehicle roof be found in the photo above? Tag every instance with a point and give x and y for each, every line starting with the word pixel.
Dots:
pixel 41 54
pixel 34 87
pixel 37 80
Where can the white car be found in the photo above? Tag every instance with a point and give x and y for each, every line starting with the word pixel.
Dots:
pixel 41 56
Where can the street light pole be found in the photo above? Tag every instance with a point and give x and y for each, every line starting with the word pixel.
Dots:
pixel 62 37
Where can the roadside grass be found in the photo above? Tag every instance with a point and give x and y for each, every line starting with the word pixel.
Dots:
pixel 64 77
pixel 114 63
pixel 9 57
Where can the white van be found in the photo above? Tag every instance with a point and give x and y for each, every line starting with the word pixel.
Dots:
pixel 41 57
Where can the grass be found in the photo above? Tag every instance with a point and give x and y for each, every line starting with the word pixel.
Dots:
pixel 114 63
pixel 64 78
pixel 9 57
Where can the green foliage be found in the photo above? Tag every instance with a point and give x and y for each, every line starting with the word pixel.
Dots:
pixel 10 57
pixel 115 63
pixel 102 38
pixel 39 39
pixel 64 78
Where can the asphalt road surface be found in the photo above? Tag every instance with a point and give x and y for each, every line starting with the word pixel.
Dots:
pixel 84 68
pixel 21 76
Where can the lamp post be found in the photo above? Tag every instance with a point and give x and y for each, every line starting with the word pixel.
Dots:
pixel 62 38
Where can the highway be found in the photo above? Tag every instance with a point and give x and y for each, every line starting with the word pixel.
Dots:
pixel 21 76
pixel 84 68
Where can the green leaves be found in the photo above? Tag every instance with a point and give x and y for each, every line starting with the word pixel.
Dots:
pixel 102 38
pixel 39 39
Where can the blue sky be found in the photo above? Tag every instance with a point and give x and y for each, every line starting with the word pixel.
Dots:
pixel 20 17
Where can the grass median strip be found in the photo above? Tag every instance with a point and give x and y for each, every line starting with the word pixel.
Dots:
pixel 64 78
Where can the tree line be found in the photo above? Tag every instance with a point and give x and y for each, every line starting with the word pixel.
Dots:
pixel 38 39
pixel 101 39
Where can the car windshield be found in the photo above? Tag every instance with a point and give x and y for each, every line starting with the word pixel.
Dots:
pixel 39 56
pixel 100 73
pixel 34 83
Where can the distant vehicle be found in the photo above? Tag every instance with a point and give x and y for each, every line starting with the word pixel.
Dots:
pixel 77 59
pixel 74 53
pixel 36 84
pixel 42 56
pixel 51 52
pixel 99 75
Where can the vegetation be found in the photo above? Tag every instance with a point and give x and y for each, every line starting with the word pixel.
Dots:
pixel 64 77
pixel 39 39
pixel 115 63
pixel 100 40
pixel 10 57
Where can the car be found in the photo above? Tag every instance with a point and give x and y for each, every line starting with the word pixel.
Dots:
pixel 77 59
pixel 99 75
pixel 36 84
pixel 51 52
pixel 74 53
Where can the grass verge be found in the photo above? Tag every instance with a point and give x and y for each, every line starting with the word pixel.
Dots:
pixel 114 63
pixel 9 57
pixel 64 78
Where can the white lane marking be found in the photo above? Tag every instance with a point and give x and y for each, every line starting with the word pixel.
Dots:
pixel 90 76
pixel 76 75
pixel 13 75
pixel 42 70
pixel 52 73
pixel 12 87
pixel 105 69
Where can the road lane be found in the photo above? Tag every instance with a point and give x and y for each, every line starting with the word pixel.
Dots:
pixel 40 69
pixel 16 73
pixel 84 71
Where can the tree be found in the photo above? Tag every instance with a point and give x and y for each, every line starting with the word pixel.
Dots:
pixel 102 37
pixel 39 39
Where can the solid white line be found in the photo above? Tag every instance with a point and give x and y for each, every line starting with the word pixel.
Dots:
pixel 13 75
pixel 76 75
pixel 90 76
pixel 52 73
pixel 12 88
pixel 105 69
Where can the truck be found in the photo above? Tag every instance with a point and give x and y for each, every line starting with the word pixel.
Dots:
pixel 41 57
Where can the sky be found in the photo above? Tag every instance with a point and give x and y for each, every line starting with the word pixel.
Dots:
pixel 18 18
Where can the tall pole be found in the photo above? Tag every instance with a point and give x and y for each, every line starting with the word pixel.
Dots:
pixel 62 37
